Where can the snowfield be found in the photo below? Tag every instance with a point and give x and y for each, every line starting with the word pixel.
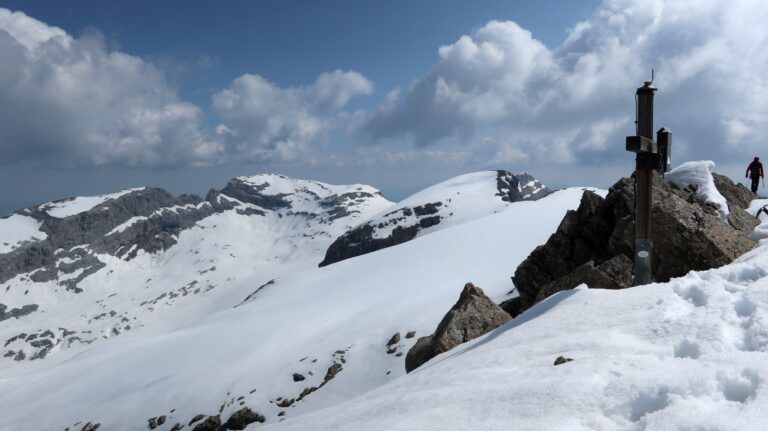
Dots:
pixel 16 229
pixel 689 354
pixel 303 322
pixel 307 347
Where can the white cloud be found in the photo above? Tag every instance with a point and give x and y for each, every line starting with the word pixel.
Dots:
pixel 263 122
pixel 73 102
pixel 710 61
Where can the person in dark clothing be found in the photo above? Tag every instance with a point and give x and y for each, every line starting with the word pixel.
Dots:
pixel 755 172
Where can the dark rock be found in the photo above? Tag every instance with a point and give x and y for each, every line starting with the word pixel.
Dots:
pixel 242 418
pixel 473 315
pixel 333 370
pixel 519 187
pixel 394 340
pixel 177 427
pixel 736 194
pixel 91 426
pixel 615 273
pixel 161 420
pixel 513 306
pixel 211 423
pixel 391 350
pixel 298 377
pixel 286 402
pixel 360 240
pixel 586 248
pixel 306 392
pixel 410 334
pixel 196 418
pixel 561 360
pixel 152 423
pixel 16 312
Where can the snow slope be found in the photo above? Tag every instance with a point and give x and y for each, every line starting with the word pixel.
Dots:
pixel 690 354
pixel 17 229
pixel 241 345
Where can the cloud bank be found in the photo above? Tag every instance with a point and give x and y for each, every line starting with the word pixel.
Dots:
pixel 72 102
pixel 497 97
pixel 509 99
pixel 69 102
pixel 263 122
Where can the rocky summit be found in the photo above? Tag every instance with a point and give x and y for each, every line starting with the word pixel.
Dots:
pixel 594 244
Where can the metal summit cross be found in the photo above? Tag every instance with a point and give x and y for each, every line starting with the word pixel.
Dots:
pixel 650 156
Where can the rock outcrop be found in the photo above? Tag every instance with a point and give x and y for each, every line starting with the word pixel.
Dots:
pixel 473 315
pixel 595 243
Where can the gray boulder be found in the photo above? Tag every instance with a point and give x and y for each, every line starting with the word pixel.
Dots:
pixel 473 315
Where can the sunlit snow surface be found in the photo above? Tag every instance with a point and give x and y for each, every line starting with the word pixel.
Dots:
pixel 16 229
pixel 200 359
pixel 691 354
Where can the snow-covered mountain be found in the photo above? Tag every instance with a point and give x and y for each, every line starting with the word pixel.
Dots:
pixel 451 202
pixel 233 325
pixel 138 305
pixel 86 269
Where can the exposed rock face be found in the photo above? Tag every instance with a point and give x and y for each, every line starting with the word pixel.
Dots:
pixel 736 194
pixel 96 229
pixel 211 423
pixel 242 418
pixel 687 234
pixel 16 312
pixel 519 187
pixel 473 315
pixel 404 223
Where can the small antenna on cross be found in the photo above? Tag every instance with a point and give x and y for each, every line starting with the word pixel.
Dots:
pixel 652 76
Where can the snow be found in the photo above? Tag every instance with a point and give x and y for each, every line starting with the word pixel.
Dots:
pixel 16 229
pixel 683 355
pixel 462 198
pixel 210 351
pixel 689 354
pixel 81 204
pixel 699 174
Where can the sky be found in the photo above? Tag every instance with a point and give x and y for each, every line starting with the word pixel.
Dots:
pixel 100 96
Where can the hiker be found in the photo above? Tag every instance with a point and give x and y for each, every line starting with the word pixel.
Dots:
pixel 755 172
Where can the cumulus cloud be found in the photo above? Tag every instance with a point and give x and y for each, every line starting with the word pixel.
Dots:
pixel 575 102
pixel 263 122
pixel 68 101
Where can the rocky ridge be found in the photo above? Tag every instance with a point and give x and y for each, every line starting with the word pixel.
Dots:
pixel 594 244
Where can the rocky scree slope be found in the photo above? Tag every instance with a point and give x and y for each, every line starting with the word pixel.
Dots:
pixel 83 269
pixel 437 207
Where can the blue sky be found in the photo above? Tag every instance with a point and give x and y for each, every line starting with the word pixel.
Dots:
pixel 399 94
